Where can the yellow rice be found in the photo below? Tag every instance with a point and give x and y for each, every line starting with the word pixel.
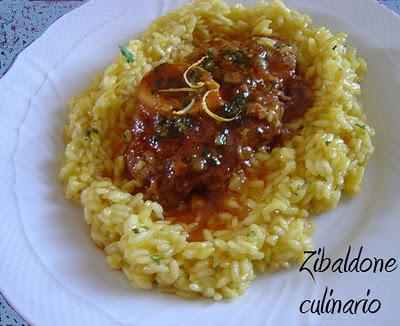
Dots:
pixel 327 155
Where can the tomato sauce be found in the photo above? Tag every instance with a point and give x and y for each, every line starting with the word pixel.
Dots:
pixel 198 122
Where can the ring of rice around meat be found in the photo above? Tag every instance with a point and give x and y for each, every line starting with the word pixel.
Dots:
pixel 327 155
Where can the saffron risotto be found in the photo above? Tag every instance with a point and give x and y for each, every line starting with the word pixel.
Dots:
pixel 326 156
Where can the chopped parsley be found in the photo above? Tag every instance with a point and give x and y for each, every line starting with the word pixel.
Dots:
pixel 360 126
pixel 127 54
pixel 334 47
pixel 264 63
pixel 184 123
pixel 252 233
pixel 215 161
pixel 211 159
pixel 221 138
pixel 127 135
pixel 235 105
pixel 138 229
pixel 328 142
pixel 277 45
pixel 208 62
pixel 156 259
pixel 166 128
pixel 89 132
pixel 237 57
pixel 154 140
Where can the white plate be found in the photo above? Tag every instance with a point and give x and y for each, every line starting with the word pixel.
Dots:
pixel 53 274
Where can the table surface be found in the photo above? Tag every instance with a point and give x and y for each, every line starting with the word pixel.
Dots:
pixel 23 21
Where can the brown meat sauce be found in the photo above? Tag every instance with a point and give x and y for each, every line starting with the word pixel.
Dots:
pixel 184 160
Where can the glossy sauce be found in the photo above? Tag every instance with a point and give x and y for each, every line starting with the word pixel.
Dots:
pixel 185 161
